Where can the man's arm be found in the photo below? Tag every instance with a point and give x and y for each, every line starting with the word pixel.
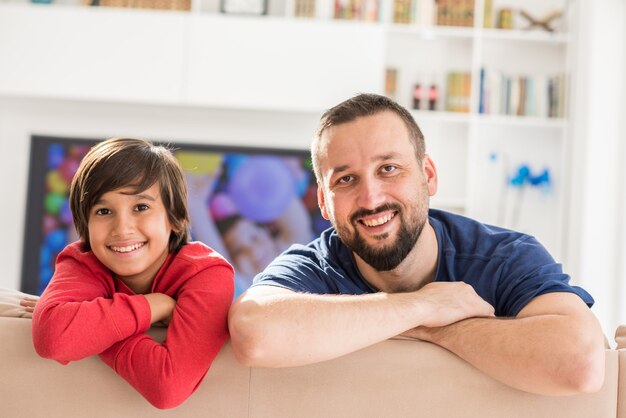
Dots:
pixel 553 347
pixel 275 327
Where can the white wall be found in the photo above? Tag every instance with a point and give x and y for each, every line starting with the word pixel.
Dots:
pixel 596 240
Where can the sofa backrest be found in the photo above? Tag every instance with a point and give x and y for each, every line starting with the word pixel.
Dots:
pixel 396 378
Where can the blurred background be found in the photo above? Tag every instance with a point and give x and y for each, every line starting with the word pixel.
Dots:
pixel 521 103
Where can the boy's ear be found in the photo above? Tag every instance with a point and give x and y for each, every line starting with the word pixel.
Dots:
pixel 321 201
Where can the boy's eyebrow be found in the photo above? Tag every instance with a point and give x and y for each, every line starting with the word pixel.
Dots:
pixel 140 196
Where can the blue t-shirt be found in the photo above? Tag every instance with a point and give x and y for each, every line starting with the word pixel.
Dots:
pixel 506 268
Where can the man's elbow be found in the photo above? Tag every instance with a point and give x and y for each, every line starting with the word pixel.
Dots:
pixel 251 345
pixel 586 372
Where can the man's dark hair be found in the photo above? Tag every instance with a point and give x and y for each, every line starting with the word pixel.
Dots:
pixel 359 106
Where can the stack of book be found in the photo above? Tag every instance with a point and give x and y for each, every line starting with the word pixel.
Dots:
pixel 458 89
pixel 455 12
pixel 421 12
pixel 143 4
pixel 304 8
pixel 537 95
pixel 356 10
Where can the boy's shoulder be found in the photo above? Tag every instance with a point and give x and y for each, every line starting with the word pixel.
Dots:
pixel 201 255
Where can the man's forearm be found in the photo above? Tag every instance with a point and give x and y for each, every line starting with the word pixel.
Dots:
pixel 295 328
pixel 276 327
pixel 545 354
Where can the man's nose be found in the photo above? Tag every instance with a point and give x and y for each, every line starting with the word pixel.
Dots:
pixel 371 193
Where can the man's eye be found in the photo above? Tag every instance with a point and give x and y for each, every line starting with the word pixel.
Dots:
pixel 103 211
pixel 345 179
pixel 141 207
pixel 389 168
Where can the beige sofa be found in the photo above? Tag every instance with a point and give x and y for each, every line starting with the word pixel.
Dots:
pixel 396 378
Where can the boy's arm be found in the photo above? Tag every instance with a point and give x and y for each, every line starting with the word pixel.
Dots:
pixel 553 347
pixel 166 374
pixel 79 313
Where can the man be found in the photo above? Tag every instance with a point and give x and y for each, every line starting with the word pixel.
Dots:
pixel 390 267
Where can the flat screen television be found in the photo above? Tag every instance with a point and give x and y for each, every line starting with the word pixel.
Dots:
pixel 249 204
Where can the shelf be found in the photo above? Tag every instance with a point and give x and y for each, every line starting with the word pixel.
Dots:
pixel 440 116
pixel 431 32
pixel 524 35
pixel 529 121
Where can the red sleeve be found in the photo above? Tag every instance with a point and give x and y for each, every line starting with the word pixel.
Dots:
pixel 79 313
pixel 167 374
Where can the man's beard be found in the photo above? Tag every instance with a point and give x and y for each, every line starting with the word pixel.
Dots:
pixel 390 256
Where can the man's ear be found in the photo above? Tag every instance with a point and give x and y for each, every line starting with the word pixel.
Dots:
pixel 430 172
pixel 321 201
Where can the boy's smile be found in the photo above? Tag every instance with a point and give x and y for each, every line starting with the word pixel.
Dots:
pixel 129 233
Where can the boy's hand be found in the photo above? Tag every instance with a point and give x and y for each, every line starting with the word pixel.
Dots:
pixel 29 305
pixel 161 307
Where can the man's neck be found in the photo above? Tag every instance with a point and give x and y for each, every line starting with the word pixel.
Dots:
pixel 416 270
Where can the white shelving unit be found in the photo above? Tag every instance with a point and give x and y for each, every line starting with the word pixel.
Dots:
pixel 283 64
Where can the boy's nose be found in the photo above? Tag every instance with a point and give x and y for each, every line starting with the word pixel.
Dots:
pixel 123 225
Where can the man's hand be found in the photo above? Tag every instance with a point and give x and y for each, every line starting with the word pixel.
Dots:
pixel 445 303
pixel 161 308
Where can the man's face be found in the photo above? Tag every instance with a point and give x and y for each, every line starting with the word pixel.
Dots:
pixel 373 189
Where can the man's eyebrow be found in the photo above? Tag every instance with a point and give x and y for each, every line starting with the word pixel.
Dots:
pixel 382 157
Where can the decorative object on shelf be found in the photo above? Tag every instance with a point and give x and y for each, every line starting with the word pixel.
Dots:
pixel 247 7
pixel 505 18
pixel 545 23
pixel 433 97
pixel 455 12
pixel 417 96
pixel 366 10
pixel 391 82
pixel 143 4
pixel 517 182
pixel 304 8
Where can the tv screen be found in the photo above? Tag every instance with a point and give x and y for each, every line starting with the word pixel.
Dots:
pixel 249 204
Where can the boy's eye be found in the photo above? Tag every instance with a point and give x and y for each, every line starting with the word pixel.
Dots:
pixel 103 211
pixel 141 207
pixel 345 179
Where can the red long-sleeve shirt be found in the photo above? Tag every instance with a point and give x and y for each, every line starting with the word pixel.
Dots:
pixel 86 311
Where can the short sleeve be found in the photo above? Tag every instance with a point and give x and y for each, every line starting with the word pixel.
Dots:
pixel 530 271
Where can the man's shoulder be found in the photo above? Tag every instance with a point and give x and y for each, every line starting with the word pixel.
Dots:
pixel 466 236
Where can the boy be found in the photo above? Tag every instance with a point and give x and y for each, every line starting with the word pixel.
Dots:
pixel 134 267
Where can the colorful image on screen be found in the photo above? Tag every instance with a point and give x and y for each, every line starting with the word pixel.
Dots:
pixel 248 204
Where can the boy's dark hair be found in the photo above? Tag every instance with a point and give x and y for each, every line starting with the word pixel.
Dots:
pixel 364 105
pixel 136 163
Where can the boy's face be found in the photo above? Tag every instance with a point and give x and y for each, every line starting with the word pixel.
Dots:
pixel 129 233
